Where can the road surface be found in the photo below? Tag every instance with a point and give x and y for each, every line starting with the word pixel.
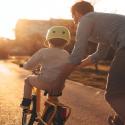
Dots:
pixel 87 103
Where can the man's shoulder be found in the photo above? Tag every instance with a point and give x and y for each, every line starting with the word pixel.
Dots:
pixel 103 14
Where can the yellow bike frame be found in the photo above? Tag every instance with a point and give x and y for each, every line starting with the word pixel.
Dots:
pixel 51 100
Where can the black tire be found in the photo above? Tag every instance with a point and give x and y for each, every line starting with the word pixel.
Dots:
pixel 58 120
pixel 28 117
pixel 24 118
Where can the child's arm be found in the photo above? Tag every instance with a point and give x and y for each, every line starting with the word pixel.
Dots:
pixel 33 61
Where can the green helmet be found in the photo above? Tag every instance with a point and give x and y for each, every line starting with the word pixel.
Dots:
pixel 58 32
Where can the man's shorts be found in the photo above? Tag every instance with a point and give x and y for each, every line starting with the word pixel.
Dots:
pixel 116 77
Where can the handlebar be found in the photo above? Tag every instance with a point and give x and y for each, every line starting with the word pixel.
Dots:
pixel 35 71
pixel 21 65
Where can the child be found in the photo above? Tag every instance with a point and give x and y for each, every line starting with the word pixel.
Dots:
pixel 51 60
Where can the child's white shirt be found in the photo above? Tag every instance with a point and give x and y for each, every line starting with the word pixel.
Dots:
pixel 51 59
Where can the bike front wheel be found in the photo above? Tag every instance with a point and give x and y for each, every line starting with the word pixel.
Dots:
pixel 29 116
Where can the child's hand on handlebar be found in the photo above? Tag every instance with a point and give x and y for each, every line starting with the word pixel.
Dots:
pixel 20 65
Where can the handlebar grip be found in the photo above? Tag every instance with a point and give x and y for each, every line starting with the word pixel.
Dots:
pixel 20 65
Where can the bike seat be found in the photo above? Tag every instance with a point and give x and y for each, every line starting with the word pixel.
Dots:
pixel 49 94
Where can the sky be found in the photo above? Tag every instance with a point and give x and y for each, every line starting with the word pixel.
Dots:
pixel 12 10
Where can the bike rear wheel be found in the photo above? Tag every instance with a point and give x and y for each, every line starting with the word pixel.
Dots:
pixel 46 117
pixel 59 118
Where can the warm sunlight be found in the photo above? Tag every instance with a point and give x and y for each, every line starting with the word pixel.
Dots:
pixel 111 6
pixel 4 69
pixel 12 10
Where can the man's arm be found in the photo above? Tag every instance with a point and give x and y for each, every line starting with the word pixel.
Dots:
pixel 83 33
pixel 87 61
pixel 101 53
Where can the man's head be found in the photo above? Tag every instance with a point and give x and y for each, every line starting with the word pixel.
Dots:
pixel 79 9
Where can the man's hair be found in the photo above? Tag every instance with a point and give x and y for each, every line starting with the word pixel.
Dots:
pixel 82 7
pixel 57 42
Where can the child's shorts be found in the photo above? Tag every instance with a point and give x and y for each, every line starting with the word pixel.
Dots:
pixel 53 88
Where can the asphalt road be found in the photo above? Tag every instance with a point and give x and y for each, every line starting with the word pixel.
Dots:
pixel 87 103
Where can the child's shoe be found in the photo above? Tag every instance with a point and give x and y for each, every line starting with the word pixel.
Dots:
pixel 25 103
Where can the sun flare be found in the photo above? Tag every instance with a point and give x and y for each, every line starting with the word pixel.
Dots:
pixel 12 10
pixel 4 69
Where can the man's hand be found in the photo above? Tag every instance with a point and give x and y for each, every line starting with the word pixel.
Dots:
pixel 87 61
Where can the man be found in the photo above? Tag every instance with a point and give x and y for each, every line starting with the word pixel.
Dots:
pixel 108 30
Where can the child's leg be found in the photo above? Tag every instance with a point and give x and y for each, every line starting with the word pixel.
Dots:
pixel 27 93
pixel 30 82
pixel 27 88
